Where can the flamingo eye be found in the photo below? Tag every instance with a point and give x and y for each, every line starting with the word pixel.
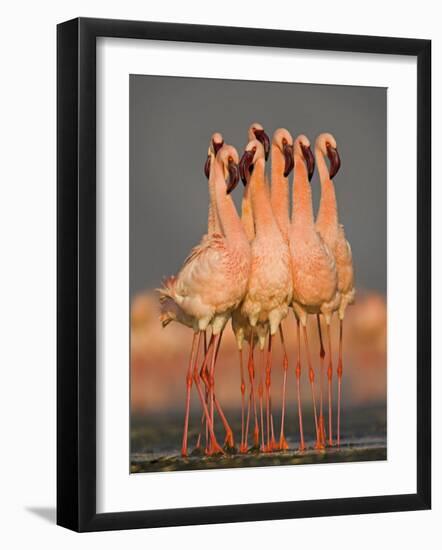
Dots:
pixel 284 141
pixel 254 150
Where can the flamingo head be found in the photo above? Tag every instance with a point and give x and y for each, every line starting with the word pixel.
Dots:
pixel 256 131
pixel 216 142
pixel 302 149
pixel 326 143
pixel 228 157
pixel 282 139
pixel 253 152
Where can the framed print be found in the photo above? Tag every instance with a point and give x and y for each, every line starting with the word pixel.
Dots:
pixel 243 220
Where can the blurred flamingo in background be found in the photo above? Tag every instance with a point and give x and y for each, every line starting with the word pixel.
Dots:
pixel 327 224
pixel 212 281
pixel 313 266
pixel 269 287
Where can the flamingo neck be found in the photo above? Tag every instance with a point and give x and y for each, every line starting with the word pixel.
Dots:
pixel 230 223
pixel 247 214
pixel 302 214
pixel 213 225
pixel 261 205
pixel 280 191
pixel 328 208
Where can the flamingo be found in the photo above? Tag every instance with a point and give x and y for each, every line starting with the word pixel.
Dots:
pixel 313 267
pixel 212 282
pixel 328 226
pixel 240 323
pixel 270 283
pixel 282 165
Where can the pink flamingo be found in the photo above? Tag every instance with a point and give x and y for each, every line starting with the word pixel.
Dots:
pixel 327 224
pixel 270 283
pixel 282 165
pixel 212 282
pixel 313 266
pixel 240 323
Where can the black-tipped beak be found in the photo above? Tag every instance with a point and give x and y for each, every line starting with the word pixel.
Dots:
pixel 245 164
pixel 207 167
pixel 262 137
pixel 217 146
pixel 289 159
pixel 232 182
pixel 335 160
pixel 309 160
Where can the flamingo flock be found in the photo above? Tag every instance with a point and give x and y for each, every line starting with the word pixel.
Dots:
pixel 252 269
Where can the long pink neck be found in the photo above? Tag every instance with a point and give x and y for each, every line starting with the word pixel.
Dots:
pixel 247 213
pixel 213 225
pixel 302 214
pixel 328 208
pixel 262 208
pixel 230 223
pixel 280 191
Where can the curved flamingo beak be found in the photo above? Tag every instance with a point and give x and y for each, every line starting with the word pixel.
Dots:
pixel 309 159
pixel 245 164
pixel 289 159
pixel 335 160
pixel 232 182
pixel 207 167
pixel 262 137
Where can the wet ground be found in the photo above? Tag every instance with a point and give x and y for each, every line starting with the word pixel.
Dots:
pixel 156 443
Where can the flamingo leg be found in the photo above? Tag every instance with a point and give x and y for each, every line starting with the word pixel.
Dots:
pixel 229 440
pixel 252 398
pixel 283 445
pixel 341 328
pixel 214 446
pixel 321 382
pixel 329 377
pixel 243 445
pixel 195 342
pixel 298 387
pixel 268 371
pixel 311 375
pixel 216 340
pixel 260 395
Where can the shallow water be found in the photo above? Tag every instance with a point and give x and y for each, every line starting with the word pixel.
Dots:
pixel 156 442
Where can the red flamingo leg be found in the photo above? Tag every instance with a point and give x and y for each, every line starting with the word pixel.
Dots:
pixel 311 375
pixel 341 328
pixel 268 371
pixel 195 343
pixel 243 446
pixel 283 445
pixel 321 383
pixel 298 387
pixel 214 447
pixel 215 339
pixel 330 377
pixel 260 395
pixel 252 398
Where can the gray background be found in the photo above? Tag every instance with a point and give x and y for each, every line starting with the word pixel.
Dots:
pixel 171 120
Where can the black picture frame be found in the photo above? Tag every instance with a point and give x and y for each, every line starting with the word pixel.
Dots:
pixel 76 273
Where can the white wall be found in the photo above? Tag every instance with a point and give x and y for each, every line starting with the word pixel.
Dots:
pixel 27 268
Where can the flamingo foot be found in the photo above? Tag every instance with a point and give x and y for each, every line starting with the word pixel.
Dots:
pixel 283 445
pixel 214 449
pixel 229 442
pixel 243 449
pixel 302 447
